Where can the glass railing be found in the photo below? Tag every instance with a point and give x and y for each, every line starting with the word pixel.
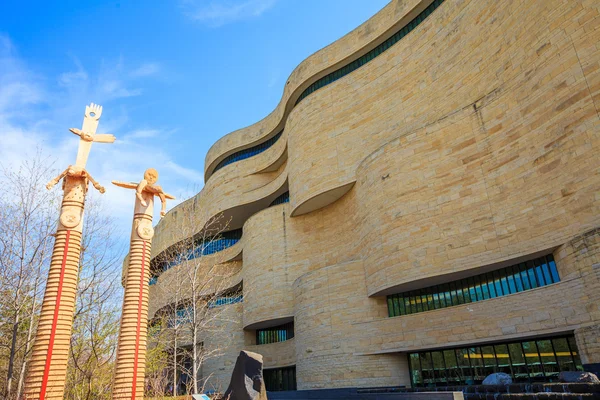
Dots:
pixel 283 198
pixel 354 65
pixel 514 279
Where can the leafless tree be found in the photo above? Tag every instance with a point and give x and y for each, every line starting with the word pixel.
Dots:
pixel 28 215
pixel 27 222
pixel 199 290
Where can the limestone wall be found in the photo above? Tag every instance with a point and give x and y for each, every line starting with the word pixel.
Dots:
pixel 474 141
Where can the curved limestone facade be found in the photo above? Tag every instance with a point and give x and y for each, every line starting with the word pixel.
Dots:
pixel 440 142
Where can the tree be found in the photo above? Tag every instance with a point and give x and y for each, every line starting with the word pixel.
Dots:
pixel 28 215
pixel 27 223
pixel 199 290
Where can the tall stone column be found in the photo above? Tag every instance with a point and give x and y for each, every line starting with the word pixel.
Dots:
pixel 131 351
pixel 48 366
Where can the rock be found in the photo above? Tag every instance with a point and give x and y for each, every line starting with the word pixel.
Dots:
pixel 247 381
pixel 578 377
pixel 499 378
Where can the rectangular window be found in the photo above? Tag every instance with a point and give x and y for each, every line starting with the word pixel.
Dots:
pixel 539 360
pixel 513 279
pixel 276 334
pixel 280 379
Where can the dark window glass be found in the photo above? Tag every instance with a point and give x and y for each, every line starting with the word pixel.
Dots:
pixel 247 153
pixel 439 367
pixel 564 355
pixel 415 369
pixel 452 368
pixel 531 274
pixel 477 364
pixel 539 274
pixel 283 198
pixel 489 360
pixel 548 357
pixel 484 288
pixel 573 347
pixel 280 379
pixel 427 368
pixel 547 274
pixel 520 371
pixel 503 359
pixel 532 358
pixel 464 366
pixel 517 276
pixel 498 284
pixel 554 271
pixel 511 282
pixel 524 276
pixel 402 306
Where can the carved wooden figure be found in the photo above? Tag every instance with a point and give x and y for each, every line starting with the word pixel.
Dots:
pixel 48 366
pixel 131 351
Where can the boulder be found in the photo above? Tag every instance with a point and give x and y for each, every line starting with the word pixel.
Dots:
pixel 247 381
pixel 499 378
pixel 578 377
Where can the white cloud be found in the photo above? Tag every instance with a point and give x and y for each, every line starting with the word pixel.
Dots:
pixel 147 69
pixel 34 117
pixel 218 13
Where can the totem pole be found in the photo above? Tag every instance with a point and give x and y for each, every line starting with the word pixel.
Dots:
pixel 131 351
pixel 48 366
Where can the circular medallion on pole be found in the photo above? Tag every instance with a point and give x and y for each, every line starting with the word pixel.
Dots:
pixel 70 219
pixel 144 230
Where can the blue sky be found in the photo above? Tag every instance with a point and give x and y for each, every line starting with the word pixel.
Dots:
pixel 173 77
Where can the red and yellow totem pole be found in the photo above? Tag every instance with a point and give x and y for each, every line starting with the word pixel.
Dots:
pixel 48 366
pixel 131 351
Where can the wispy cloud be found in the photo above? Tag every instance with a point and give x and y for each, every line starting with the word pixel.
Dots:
pixel 219 13
pixel 147 69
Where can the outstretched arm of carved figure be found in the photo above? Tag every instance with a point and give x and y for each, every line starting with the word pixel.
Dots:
pixel 54 181
pixel 163 201
pixel 99 187
pixel 139 190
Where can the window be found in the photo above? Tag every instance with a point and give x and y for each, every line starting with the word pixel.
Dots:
pixel 247 153
pixel 539 360
pixel 354 65
pixel 280 379
pixel 226 299
pixel 276 334
pixel 283 198
pixel 514 279
pixel 200 248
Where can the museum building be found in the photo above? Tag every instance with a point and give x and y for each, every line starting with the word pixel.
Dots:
pixel 422 208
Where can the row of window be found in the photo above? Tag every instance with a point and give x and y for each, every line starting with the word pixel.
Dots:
pixel 335 75
pixel 183 314
pixel 516 278
pixel 332 77
pixel 247 153
pixel 283 198
pixel 280 379
pixel 539 360
pixel 275 334
pixel 201 248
